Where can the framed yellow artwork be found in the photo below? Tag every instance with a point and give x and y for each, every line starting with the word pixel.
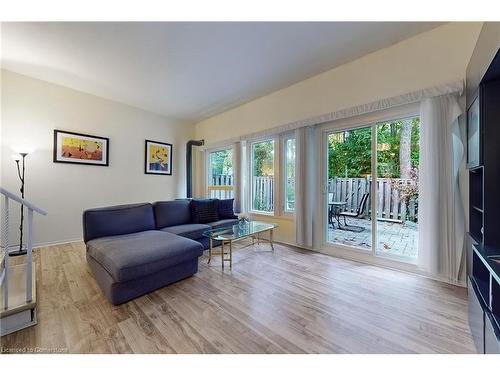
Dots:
pixel 158 158
pixel 77 148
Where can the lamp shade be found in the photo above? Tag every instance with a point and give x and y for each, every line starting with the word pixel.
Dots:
pixel 23 149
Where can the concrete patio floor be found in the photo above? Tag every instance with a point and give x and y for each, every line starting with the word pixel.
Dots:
pixel 394 239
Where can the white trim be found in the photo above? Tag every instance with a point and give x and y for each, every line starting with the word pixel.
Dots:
pixel 208 164
pixel 283 140
pixel 54 243
pixel 276 161
pixel 39 245
pixel 373 189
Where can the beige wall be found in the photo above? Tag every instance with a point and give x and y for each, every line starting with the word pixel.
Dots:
pixel 429 59
pixel 32 109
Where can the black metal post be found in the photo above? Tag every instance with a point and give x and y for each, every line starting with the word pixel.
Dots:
pixel 20 173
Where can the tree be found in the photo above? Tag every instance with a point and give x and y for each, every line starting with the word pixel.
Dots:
pixel 221 162
pixel 349 152
pixel 405 149
pixel 263 158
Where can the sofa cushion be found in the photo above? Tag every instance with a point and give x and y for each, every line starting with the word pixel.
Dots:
pixel 169 213
pixel 223 223
pixel 193 231
pixel 136 255
pixel 204 211
pixel 117 220
pixel 225 209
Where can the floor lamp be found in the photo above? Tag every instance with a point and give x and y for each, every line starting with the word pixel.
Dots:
pixel 20 173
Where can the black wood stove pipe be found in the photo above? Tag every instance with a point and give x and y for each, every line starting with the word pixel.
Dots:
pixel 189 165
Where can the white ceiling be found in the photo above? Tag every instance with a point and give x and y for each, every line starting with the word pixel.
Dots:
pixel 190 71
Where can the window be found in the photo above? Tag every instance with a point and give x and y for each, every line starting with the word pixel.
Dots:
pixel 220 176
pixel 289 174
pixel 262 176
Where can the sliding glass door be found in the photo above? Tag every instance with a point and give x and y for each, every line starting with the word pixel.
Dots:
pixel 376 213
pixel 349 180
pixel 397 153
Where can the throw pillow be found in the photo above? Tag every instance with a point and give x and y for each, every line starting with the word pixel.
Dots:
pixel 225 209
pixel 204 211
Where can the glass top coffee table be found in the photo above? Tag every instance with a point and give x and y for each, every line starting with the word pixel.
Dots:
pixel 227 235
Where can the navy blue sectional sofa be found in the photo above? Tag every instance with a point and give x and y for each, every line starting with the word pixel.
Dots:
pixel 134 249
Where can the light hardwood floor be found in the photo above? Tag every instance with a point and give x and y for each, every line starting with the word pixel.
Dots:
pixel 289 301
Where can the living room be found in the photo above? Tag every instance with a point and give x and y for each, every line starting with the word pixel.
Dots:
pixel 253 187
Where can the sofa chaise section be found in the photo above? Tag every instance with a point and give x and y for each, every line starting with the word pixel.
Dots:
pixel 129 257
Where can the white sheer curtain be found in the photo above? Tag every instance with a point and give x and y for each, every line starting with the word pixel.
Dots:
pixel 441 214
pixel 238 177
pixel 306 156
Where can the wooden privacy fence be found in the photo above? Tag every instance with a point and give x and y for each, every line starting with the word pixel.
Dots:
pixel 263 193
pixel 390 206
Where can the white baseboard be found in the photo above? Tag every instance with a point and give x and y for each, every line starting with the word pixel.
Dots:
pixel 38 245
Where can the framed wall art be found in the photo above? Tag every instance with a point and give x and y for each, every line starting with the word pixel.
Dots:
pixel 77 148
pixel 158 158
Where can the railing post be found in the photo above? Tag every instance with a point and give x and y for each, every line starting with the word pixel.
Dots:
pixel 29 264
pixel 5 231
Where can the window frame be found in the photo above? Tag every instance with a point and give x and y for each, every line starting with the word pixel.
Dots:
pixel 276 166
pixel 284 138
pixel 208 165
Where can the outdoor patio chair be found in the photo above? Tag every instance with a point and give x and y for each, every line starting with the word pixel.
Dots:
pixel 335 213
pixel 359 211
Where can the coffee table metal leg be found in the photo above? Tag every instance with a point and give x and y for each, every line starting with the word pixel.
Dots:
pixel 222 254
pixel 209 249
pixel 230 254
pixel 271 239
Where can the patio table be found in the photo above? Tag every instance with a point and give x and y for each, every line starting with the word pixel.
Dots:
pixel 334 210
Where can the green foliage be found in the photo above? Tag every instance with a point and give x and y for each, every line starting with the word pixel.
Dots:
pixel 263 158
pixel 349 153
pixel 222 162
pixel 263 166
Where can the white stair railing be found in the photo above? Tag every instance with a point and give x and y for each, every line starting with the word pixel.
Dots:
pixel 4 276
